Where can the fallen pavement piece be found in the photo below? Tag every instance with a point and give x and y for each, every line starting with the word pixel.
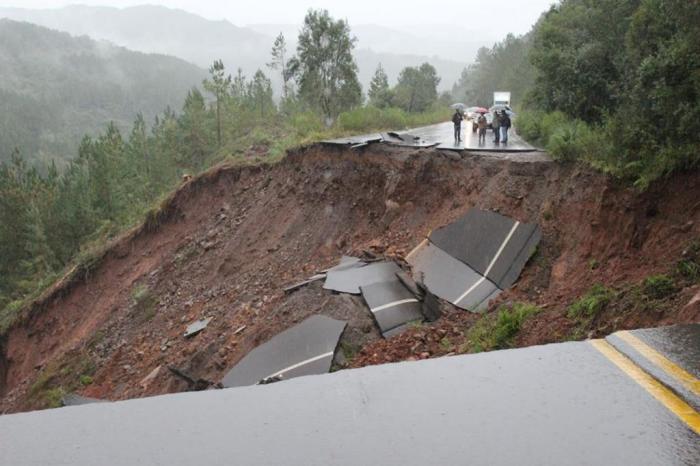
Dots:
pixel 409 283
pixel 451 279
pixel 73 399
pixel 350 280
pixel 296 286
pixel 196 327
pixel 493 245
pixel 392 305
pixel 304 349
pixel 362 139
pixel 346 262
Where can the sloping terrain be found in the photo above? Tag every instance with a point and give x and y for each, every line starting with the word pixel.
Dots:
pixel 226 243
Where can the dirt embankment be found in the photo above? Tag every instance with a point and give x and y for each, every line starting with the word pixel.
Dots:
pixel 227 242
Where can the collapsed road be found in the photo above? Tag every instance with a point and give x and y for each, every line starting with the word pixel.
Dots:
pixel 565 404
pixel 441 136
pixel 215 259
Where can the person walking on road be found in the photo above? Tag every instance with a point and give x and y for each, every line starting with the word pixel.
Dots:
pixel 496 125
pixel 505 126
pixel 482 124
pixel 457 120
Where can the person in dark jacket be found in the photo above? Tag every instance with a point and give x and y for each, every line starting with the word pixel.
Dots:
pixel 496 125
pixel 457 120
pixel 505 126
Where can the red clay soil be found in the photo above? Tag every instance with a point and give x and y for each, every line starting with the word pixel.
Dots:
pixel 227 242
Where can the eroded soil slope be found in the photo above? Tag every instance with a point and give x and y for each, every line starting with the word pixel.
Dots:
pixel 227 242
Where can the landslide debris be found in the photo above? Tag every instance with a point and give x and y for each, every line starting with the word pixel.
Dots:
pixel 226 244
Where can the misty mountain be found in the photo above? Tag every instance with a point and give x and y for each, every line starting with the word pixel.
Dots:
pixel 157 29
pixel 55 88
pixel 432 43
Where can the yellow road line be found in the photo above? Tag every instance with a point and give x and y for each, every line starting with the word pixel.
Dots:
pixel 666 397
pixel 415 250
pixel 681 375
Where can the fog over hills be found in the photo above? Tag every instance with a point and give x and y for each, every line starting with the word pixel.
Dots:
pixel 198 40
pixel 55 88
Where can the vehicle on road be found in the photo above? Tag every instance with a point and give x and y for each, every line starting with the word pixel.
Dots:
pixel 475 123
pixel 501 98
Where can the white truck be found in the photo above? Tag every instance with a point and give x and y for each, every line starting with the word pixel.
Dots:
pixel 501 98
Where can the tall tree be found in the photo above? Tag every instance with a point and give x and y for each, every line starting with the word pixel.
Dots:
pixel 193 127
pixel 260 94
pixel 417 88
pixel 325 68
pixel 279 62
pixel 218 85
pixel 379 93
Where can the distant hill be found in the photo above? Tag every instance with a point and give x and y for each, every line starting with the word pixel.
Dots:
pixel 54 88
pixel 201 41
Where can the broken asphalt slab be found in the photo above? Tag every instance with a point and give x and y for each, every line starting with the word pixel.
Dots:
pixel 196 327
pixel 355 140
pixel 392 305
pixel 73 399
pixel 305 349
pixel 350 280
pixel 491 244
pixel 451 279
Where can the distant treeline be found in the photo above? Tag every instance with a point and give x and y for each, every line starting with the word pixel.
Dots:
pixel 613 83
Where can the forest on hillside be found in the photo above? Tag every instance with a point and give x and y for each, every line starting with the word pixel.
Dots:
pixel 54 217
pixel 55 88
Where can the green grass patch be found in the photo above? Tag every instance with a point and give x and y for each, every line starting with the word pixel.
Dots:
pixel 658 286
pixel 498 330
pixel 592 303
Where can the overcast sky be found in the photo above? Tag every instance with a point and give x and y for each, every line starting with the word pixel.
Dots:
pixel 504 16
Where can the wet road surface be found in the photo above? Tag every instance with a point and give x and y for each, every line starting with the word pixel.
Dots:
pixel 561 404
pixel 669 354
pixel 444 134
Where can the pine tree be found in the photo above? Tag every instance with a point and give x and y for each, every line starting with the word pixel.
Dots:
pixel 193 127
pixel 218 85
pixel 260 93
pixel 279 62
pixel 379 93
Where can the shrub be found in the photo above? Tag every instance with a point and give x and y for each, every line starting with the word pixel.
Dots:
pixel 592 303
pixel 497 331
pixel 658 286
pixel 85 380
pixel 688 268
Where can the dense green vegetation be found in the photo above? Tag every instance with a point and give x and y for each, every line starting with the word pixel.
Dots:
pixel 53 217
pixel 613 83
pixel 55 88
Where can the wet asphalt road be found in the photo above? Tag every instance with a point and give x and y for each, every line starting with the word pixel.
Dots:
pixel 561 404
pixel 444 134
